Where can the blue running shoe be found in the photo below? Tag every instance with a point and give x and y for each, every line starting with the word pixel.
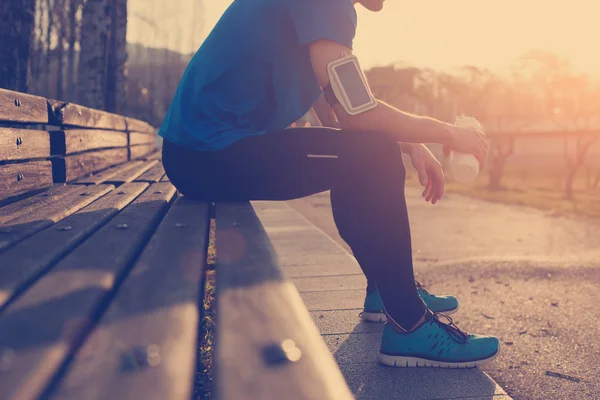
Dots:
pixel 373 309
pixel 438 304
pixel 436 344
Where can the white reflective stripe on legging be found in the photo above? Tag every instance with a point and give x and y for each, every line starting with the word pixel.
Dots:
pixel 320 156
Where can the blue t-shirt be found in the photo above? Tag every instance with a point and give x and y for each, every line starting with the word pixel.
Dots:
pixel 253 73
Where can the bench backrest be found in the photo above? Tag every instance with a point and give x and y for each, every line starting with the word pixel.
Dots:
pixel 44 142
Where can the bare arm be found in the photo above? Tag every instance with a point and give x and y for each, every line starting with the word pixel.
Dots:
pixel 404 127
pixel 383 118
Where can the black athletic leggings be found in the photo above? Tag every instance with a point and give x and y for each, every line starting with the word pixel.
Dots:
pixel 364 172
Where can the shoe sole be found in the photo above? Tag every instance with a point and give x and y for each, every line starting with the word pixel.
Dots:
pixel 414 362
pixel 380 317
pixel 373 316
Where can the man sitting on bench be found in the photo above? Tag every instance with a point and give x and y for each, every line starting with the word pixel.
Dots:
pixel 263 66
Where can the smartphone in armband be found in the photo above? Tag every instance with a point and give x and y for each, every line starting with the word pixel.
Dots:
pixel 348 84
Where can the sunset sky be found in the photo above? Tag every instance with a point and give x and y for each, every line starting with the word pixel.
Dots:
pixel 434 33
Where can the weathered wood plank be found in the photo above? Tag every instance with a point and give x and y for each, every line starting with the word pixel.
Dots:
pixel 21 107
pixel 70 114
pixel 73 293
pixel 157 306
pixel 136 138
pixel 254 295
pixel 136 125
pixel 165 178
pixel 16 179
pixel 25 206
pixel 21 228
pixel 140 151
pixel 24 263
pixel 153 175
pixel 130 174
pixel 68 168
pixel 21 144
pixel 157 155
pixel 76 140
pixel 103 176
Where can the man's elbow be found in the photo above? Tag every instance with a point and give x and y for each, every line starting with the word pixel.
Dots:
pixel 358 121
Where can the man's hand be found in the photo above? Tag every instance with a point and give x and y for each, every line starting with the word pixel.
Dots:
pixel 468 140
pixel 431 174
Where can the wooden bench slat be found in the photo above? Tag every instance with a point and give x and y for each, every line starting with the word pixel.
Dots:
pixel 21 228
pixel 153 175
pixel 140 151
pixel 70 114
pixel 103 176
pixel 253 294
pixel 136 138
pixel 76 140
pixel 25 261
pixel 68 168
pixel 130 174
pixel 23 108
pixel 165 178
pixel 157 305
pixel 73 293
pixel 157 155
pixel 136 125
pixel 16 179
pixel 25 206
pixel 22 144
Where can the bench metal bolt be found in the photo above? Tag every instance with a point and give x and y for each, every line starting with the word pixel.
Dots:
pixel 281 353
pixel 141 357
pixel 122 226
pixel 19 141
pixel 84 194
pixel 122 192
pixel 17 103
pixel 20 177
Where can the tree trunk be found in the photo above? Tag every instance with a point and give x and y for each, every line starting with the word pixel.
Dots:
pixel 93 63
pixel 36 51
pixel 115 90
pixel 496 173
pixel 15 39
pixel 575 162
pixel 60 50
pixel 500 150
pixel 73 24
pixel 596 181
pixel 570 178
pixel 48 55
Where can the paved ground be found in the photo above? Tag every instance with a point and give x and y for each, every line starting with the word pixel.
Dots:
pixel 528 277
pixel 332 286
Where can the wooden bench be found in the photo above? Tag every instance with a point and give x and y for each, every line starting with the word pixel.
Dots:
pixel 102 268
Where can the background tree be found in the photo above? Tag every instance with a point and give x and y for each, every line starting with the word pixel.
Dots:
pixel 16 29
pixel 93 64
pixel 117 57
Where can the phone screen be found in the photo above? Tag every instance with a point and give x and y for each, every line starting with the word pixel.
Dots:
pixel 353 84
